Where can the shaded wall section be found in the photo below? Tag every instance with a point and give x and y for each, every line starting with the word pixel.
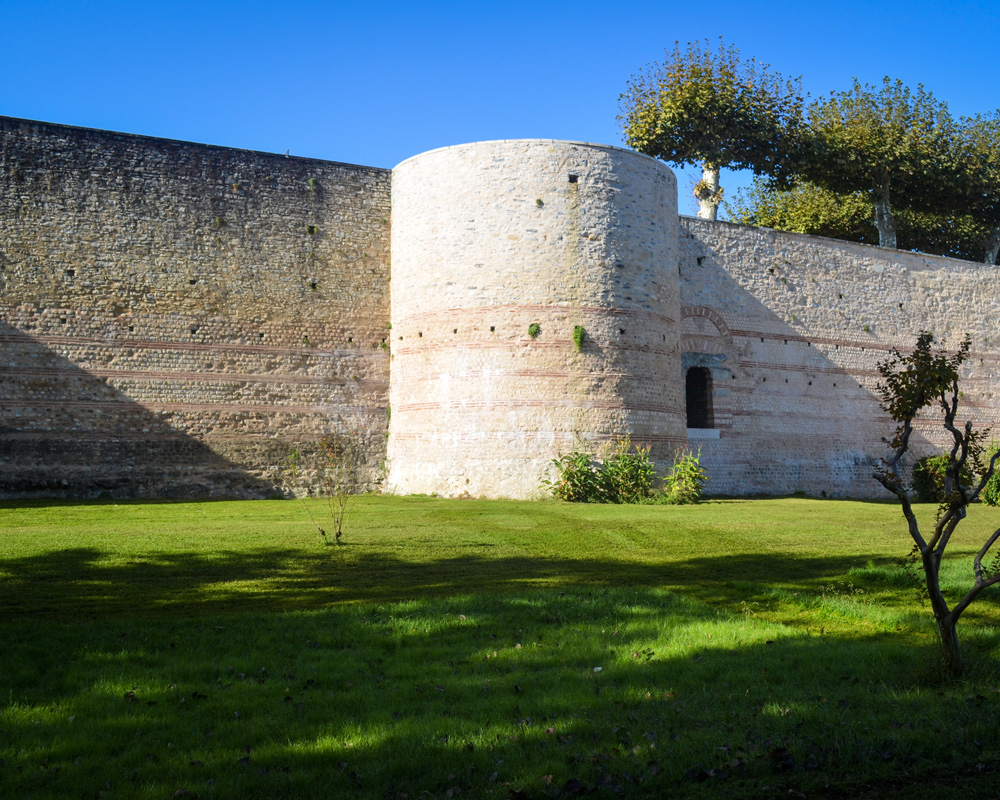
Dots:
pixel 174 317
pixel 793 328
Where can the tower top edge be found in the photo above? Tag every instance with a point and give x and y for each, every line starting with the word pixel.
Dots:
pixel 560 142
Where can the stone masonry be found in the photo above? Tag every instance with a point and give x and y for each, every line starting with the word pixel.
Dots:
pixel 490 239
pixel 175 318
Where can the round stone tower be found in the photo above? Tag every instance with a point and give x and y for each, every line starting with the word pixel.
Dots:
pixel 535 311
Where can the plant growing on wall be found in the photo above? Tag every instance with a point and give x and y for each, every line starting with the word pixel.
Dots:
pixel 579 335
pixel 534 329
pixel 929 378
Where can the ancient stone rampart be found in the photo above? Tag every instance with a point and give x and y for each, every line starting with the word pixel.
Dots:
pixel 801 323
pixel 501 250
pixel 174 317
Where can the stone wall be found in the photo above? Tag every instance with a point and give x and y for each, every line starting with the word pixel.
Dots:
pixel 492 238
pixel 174 317
pixel 801 323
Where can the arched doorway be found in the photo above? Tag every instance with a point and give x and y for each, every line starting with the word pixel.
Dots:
pixel 698 396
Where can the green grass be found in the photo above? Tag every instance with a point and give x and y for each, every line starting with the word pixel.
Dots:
pixel 486 649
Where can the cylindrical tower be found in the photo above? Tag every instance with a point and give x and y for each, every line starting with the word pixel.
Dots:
pixel 503 254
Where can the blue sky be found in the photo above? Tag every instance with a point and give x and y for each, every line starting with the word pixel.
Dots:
pixel 374 83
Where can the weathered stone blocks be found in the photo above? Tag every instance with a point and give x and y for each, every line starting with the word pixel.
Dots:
pixel 492 238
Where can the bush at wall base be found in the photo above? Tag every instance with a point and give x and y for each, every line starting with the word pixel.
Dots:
pixel 929 475
pixel 683 483
pixel 626 476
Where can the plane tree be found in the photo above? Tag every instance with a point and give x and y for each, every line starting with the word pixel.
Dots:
pixel 712 108
pixel 808 208
pixel 888 142
pixel 980 148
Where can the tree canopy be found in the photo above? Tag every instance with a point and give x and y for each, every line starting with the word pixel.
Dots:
pixel 883 141
pixel 713 108
pixel 808 208
pixel 879 164
pixel 980 152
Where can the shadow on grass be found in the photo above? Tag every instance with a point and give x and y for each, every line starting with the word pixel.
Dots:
pixel 623 691
pixel 83 581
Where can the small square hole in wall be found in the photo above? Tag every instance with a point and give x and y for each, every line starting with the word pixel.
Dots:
pixel 62 320
pixel 574 178
pixel 260 335
pixel 455 331
pixel 194 330
pixel 700 260
pixel 131 328
pixel 193 281
pixel 621 331
pixel 493 328
pixel 420 334
pixel 70 273
pixel 350 339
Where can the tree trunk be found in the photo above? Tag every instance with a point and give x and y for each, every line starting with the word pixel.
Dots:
pixel 708 192
pixel 992 246
pixel 942 614
pixel 885 222
pixel 949 641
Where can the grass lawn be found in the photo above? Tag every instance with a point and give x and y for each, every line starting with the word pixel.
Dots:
pixel 758 648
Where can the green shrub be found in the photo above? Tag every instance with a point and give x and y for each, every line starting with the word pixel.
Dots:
pixel 579 335
pixel 534 329
pixel 628 476
pixel 991 491
pixel 625 476
pixel 579 479
pixel 929 474
pixel 685 479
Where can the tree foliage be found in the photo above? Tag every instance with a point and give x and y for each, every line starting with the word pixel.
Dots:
pixel 980 152
pixel 910 383
pixel 713 108
pixel 885 142
pixel 808 208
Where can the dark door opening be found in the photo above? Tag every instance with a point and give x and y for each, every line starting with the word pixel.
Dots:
pixel 698 395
